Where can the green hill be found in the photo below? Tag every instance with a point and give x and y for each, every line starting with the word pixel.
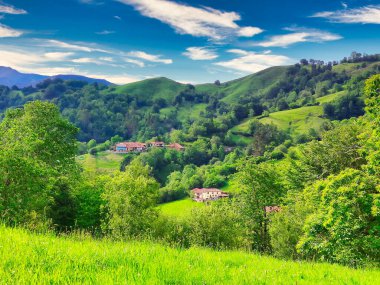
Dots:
pixel 298 120
pixel 154 88
pixel 27 258
pixel 231 91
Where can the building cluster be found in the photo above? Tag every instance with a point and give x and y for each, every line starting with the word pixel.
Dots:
pixel 126 147
pixel 207 194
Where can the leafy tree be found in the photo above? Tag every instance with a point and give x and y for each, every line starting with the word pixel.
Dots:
pixel 345 227
pixel 131 198
pixel 260 186
pixel 217 226
pixel 37 150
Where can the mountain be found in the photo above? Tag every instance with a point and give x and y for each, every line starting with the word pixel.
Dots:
pixel 11 77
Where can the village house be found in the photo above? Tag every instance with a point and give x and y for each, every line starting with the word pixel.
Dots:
pixel 272 209
pixel 156 144
pixel 126 147
pixel 207 194
pixel 176 146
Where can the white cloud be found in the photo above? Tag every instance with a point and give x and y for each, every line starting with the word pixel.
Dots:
pixel 149 57
pixel 199 22
pixel 249 31
pixel 58 56
pixel 25 61
pixel 98 61
pixel 116 79
pixel 105 32
pixel 251 62
pixel 107 59
pixel 69 46
pixel 135 61
pixel 8 32
pixel 299 35
pixel 117 18
pixel 200 53
pixel 363 15
pixel 7 9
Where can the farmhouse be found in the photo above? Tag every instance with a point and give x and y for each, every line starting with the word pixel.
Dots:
pixel 272 209
pixel 207 194
pixel 126 147
pixel 156 144
pixel 176 146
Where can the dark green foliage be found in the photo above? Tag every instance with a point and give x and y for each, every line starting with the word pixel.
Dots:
pixel 344 108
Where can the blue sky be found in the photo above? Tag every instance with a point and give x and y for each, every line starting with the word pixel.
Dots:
pixel 189 40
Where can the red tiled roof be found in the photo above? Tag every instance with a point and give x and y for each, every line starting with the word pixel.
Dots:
pixel 271 209
pixel 176 146
pixel 203 190
pixel 131 144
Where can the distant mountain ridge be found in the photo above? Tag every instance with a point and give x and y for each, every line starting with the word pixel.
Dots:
pixel 11 77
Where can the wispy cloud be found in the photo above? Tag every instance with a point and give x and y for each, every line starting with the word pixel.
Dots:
pixel 118 18
pixel 25 61
pixel 71 46
pixel 363 15
pixel 8 32
pixel 299 35
pixel 58 56
pixel 250 62
pixel 106 61
pixel 135 62
pixel 200 53
pixel 200 22
pixel 92 2
pixel 149 57
pixel 105 32
pixel 8 9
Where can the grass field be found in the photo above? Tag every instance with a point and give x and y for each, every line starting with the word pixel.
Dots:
pixel 102 162
pixel 298 120
pixel 187 111
pixel 45 259
pixel 180 208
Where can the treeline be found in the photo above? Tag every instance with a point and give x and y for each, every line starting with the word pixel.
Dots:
pixel 102 112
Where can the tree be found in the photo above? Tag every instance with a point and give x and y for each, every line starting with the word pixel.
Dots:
pixel 372 145
pixel 345 226
pixel 131 198
pixel 260 186
pixel 38 149
pixel 217 226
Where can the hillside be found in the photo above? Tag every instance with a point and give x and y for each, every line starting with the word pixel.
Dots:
pixel 154 107
pixel 299 120
pixel 154 88
pixel 43 259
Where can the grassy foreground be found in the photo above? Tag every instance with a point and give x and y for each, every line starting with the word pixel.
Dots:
pixel 44 259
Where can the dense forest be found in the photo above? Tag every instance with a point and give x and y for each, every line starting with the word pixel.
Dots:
pixel 325 180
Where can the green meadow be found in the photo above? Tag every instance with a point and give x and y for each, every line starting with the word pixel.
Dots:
pixel 101 162
pixel 298 120
pixel 27 258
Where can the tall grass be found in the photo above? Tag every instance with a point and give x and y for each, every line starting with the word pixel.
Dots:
pixel 27 258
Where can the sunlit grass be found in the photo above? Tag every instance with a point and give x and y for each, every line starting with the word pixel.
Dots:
pixel 44 259
pixel 180 208
pixel 102 162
